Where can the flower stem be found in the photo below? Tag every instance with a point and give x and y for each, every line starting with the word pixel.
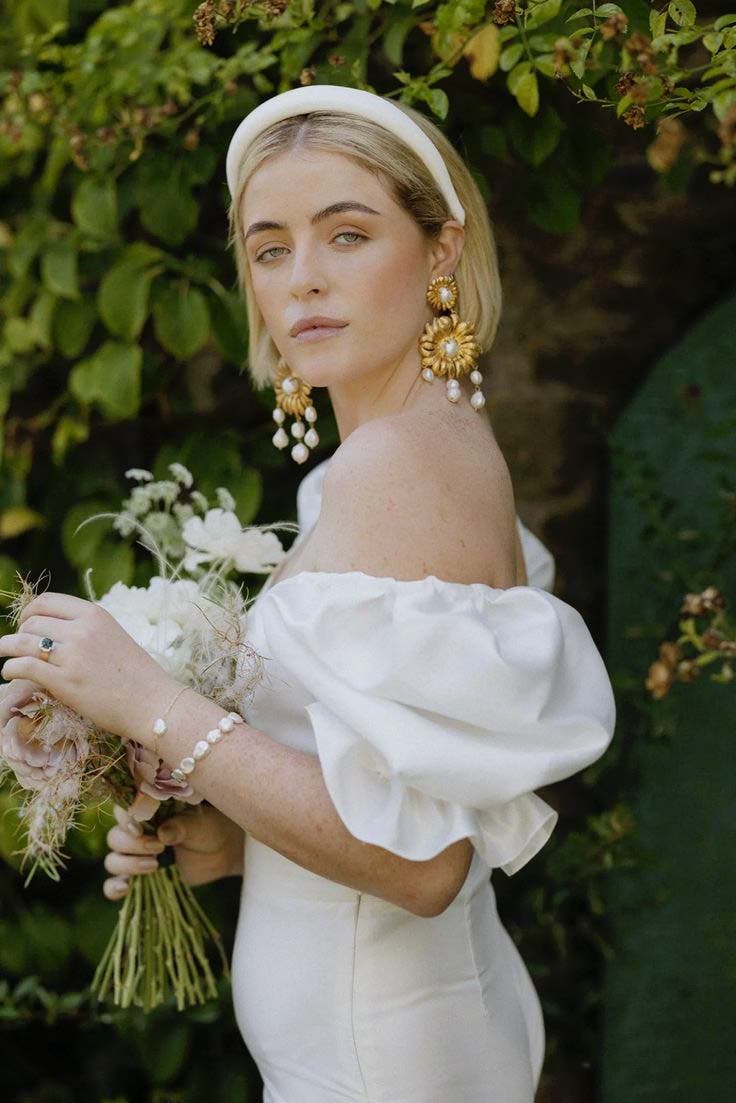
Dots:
pixel 158 946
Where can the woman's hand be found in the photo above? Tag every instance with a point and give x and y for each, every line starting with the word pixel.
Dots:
pixel 207 846
pixel 95 668
pixel 16 694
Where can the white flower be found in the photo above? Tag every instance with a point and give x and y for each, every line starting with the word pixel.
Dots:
pixel 138 473
pixel 181 473
pixel 219 536
pixel 225 499
pixel 165 619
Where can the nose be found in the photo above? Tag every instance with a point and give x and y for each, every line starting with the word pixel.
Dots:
pixel 305 275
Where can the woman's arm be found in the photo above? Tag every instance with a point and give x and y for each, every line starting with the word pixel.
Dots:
pixel 279 796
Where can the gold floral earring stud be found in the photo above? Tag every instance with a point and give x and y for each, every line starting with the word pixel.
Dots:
pixel 292 397
pixel 447 345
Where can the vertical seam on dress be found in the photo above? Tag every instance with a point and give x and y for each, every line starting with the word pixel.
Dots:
pixel 352 994
pixel 468 934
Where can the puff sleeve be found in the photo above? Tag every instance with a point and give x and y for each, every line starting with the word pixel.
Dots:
pixel 438 707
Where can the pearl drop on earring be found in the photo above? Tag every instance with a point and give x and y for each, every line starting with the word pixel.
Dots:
pixel 292 396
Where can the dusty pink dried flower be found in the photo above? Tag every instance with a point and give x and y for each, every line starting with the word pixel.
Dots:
pixel 36 751
pixel 153 778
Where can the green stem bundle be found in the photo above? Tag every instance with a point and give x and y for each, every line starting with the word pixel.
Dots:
pixel 158 946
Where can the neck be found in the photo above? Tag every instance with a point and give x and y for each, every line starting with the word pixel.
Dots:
pixel 398 391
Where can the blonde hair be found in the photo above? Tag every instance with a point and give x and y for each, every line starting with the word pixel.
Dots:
pixel 385 154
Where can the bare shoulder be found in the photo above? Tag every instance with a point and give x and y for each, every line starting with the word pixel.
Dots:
pixel 405 497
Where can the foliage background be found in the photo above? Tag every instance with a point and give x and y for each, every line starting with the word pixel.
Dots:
pixel 123 343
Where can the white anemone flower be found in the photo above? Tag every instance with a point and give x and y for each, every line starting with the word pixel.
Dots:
pixel 219 537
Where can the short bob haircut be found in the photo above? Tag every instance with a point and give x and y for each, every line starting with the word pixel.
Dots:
pixel 413 187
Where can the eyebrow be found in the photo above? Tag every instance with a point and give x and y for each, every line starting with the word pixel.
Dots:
pixel 334 208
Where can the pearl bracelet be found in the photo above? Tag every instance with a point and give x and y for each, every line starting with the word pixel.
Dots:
pixel 203 747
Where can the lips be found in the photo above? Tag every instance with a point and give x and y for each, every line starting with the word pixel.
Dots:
pixel 318 321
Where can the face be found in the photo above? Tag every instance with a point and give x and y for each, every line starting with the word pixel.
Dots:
pixel 366 269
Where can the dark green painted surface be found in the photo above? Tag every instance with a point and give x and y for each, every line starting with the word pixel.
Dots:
pixel 669 1016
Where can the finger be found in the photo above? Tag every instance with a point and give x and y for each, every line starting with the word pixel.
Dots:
pixel 128 864
pixel 44 626
pixel 44 671
pixel 124 818
pixel 21 643
pixel 121 840
pixel 115 888
pixel 51 604
pixel 16 694
pixel 172 831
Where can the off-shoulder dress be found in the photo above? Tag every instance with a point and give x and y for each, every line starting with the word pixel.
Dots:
pixel 436 709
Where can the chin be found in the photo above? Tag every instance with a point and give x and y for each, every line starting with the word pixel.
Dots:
pixel 318 374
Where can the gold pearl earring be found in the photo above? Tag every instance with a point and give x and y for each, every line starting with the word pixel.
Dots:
pixel 447 345
pixel 292 397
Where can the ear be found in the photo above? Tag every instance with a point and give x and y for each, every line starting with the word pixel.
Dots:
pixel 447 248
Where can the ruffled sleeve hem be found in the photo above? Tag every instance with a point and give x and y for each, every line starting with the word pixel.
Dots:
pixel 438 708
pixel 378 808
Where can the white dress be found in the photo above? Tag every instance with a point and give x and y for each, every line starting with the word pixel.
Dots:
pixel 436 708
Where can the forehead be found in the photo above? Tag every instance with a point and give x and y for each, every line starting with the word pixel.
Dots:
pixel 294 174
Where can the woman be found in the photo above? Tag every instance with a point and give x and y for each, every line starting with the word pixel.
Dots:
pixel 420 683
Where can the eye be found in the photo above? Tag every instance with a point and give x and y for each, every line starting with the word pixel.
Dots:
pixel 343 233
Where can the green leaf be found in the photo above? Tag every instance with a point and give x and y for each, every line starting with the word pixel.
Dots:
pixel 545 64
pixel 28 241
pixel 607 10
pixel 657 23
pixel 682 12
pixel 554 204
pixel 111 562
pixel 622 104
pixel 527 93
pixel 95 209
pixel 80 546
pixel 437 100
pixel 181 319
pixel 73 322
pixel 41 318
pixel 723 102
pixel 229 326
pixel 493 142
pixel 516 74
pixel 578 62
pixel 163 1048
pixel 247 490
pixel 59 269
pixel 724 21
pixel 111 377
pixel 19 335
pixel 122 298
pixel 68 431
pixel 536 139
pixel 543 13
pixel 510 56
pixel 164 198
pixel 399 27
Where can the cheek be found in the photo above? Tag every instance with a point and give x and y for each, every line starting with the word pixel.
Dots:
pixel 388 296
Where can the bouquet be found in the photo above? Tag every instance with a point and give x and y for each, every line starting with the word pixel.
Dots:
pixel 192 619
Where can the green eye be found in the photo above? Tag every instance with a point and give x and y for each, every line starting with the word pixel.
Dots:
pixel 343 233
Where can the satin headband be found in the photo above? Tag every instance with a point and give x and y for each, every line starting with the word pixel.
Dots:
pixel 356 101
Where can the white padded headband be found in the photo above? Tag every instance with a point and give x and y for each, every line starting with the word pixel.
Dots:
pixel 356 101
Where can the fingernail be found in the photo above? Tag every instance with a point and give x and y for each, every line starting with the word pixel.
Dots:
pixel 134 827
pixel 149 863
